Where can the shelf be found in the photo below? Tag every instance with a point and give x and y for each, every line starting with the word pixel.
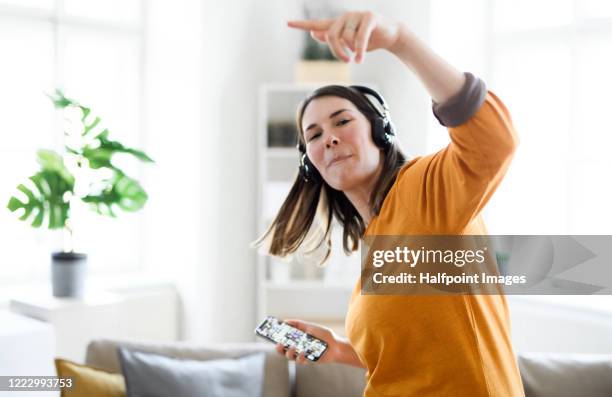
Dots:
pixel 306 285
pixel 307 299
pixel 285 152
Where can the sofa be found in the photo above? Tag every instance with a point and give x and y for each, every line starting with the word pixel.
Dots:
pixel 543 374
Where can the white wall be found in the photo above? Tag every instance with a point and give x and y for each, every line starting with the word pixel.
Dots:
pixel 176 237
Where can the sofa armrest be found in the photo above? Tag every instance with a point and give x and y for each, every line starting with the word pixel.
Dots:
pixel 329 380
pixel 565 374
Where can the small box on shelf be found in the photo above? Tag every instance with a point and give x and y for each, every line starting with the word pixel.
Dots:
pixel 282 134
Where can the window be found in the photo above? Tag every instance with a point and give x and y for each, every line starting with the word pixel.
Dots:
pixel 93 49
pixel 549 61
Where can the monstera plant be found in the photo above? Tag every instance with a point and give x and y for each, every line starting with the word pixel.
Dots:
pixel 85 172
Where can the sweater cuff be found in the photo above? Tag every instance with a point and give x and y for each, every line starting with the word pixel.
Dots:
pixel 460 107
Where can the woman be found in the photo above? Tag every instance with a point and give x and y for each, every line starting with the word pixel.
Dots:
pixel 410 345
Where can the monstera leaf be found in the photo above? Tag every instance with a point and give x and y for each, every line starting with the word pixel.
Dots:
pixel 100 156
pixel 48 198
pixel 121 191
pixel 60 101
pixel 100 152
pixel 51 161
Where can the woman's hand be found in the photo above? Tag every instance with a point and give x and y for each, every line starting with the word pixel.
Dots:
pixel 359 31
pixel 335 346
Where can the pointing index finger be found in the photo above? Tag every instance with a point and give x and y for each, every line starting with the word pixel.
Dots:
pixel 306 24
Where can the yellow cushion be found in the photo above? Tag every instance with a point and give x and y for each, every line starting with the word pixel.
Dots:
pixel 89 381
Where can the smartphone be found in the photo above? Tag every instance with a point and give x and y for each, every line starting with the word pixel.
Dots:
pixel 277 331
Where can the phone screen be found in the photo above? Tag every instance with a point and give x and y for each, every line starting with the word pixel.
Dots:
pixel 283 333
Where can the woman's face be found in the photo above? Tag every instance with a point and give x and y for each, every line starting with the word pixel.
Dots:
pixel 339 142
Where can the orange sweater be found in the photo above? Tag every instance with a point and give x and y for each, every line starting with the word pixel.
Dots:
pixel 441 345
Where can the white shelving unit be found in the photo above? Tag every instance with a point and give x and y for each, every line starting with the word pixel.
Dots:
pixel 294 290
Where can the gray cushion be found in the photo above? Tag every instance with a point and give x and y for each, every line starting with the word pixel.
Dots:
pixel 566 375
pixel 154 375
pixel 102 353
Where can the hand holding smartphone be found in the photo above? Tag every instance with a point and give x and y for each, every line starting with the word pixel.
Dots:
pixel 274 330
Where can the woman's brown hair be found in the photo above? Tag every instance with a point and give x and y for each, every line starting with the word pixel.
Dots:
pixel 307 201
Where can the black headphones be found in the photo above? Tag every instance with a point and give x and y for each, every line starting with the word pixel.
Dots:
pixel 383 132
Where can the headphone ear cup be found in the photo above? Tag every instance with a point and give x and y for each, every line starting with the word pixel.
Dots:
pixel 308 172
pixel 390 128
pixel 380 134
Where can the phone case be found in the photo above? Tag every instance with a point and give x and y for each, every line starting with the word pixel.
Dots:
pixel 277 331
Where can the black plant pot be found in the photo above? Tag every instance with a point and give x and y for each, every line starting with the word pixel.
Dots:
pixel 68 273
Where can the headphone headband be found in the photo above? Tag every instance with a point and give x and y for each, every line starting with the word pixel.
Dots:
pixel 365 91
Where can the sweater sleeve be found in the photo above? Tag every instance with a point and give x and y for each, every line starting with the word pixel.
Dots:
pixel 449 188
